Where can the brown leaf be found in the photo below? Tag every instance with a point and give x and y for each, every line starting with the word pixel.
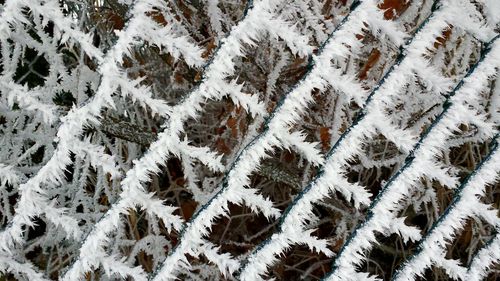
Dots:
pixel 158 17
pixel 325 136
pixel 370 63
pixel 116 21
pixel 210 47
pixel 231 123
pixel 393 8
pixel 441 41
pixel 188 207
pixel 222 146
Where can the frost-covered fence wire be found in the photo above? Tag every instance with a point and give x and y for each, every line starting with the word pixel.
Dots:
pixel 365 107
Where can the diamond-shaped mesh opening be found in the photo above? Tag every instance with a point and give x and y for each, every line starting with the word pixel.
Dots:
pixel 474 235
pixel 272 61
pixel 8 204
pixel 200 28
pixel 145 240
pixel 241 231
pixel 93 197
pixel 494 273
pixel 142 245
pixel 425 204
pixel 281 176
pixel 386 256
pixel 278 178
pixel 46 253
pixel 492 195
pixel 140 240
pixel 374 60
pixel 9 276
pixel 433 273
pixel 172 186
pixel 456 50
pixel 375 165
pixel 327 118
pixel 415 107
pixel 171 173
pixel 145 260
pixel 466 156
pixel 33 70
pixel 299 263
pixel 168 78
pixel 334 219
pixel 222 126
pixel 200 268
pixel 225 126
pixel 33 234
